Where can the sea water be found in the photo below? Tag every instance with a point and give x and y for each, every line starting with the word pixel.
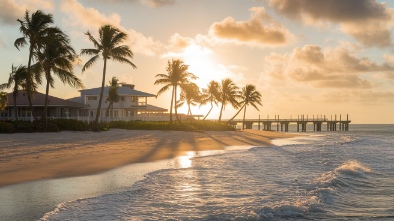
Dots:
pixel 323 176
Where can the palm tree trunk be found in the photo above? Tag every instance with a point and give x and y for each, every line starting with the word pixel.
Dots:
pixel 172 100
pixel 189 111
pixel 221 110
pixel 46 99
pixel 15 108
pixel 237 113
pixel 107 111
pixel 243 121
pixel 101 92
pixel 28 83
pixel 208 111
pixel 176 109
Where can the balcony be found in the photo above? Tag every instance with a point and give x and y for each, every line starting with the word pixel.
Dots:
pixel 137 104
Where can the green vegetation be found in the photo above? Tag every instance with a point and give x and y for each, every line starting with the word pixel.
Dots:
pixel 56 125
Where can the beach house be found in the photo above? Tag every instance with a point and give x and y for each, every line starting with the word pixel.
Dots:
pixel 57 107
pixel 132 105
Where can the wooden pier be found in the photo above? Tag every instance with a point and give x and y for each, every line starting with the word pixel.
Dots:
pixel 301 121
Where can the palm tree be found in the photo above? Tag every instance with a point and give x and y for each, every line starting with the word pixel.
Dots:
pixel 211 95
pixel 190 94
pixel 35 30
pixel 57 57
pixel 228 94
pixel 20 78
pixel 177 76
pixel 3 100
pixel 108 46
pixel 113 95
pixel 249 95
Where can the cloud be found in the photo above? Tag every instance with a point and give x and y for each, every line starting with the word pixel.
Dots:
pixel 366 20
pixel 359 96
pixel 150 3
pixel 261 29
pixel 331 68
pixel 158 3
pixel 92 19
pixel 10 10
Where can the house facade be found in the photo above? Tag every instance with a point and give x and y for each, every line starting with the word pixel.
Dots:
pixel 132 105
pixel 57 107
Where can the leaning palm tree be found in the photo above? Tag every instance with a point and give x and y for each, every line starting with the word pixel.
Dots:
pixel 211 95
pixel 56 57
pixel 229 94
pixel 35 30
pixel 177 76
pixel 113 95
pixel 249 96
pixel 108 46
pixel 17 81
pixel 191 95
pixel 3 100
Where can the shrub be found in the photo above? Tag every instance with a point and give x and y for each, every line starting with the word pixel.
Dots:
pixel 70 124
pixel 6 127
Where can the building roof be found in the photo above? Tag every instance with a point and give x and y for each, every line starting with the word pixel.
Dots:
pixel 121 91
pixel 38 99
pixel 150 108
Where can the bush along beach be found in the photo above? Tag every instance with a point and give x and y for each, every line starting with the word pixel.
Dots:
pixel 56 125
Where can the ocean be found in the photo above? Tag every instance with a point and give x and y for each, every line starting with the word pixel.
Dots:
pixel 323 176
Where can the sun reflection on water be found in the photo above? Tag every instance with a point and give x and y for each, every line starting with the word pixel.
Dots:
pixel 185 161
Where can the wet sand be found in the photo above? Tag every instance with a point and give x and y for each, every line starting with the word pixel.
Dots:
pixel 37 156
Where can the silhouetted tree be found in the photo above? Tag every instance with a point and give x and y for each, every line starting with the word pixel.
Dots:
pixel 108 46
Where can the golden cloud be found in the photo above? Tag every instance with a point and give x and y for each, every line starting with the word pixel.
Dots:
pixel 330 68
pixel 261 29
pixel 92 19
pixel 367 21
pixel 10 10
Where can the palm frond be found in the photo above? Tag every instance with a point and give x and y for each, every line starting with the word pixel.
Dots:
pixel 90 63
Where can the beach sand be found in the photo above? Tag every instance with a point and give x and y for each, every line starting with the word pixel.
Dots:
pixel 36 156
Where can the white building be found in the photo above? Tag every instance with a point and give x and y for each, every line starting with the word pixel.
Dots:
pixel 133 104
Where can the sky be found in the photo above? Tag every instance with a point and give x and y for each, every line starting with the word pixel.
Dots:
pixel 306 57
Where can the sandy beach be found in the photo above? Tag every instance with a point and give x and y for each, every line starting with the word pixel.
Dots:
pixel 36 156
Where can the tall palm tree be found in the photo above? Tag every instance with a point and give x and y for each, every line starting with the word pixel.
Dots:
pixel 249 96
pixel 177 76
pixel 211 95
pixel 3 100
pixel 108 46
pixel 229 94
pixel 190 94
pixel 57 57
pixel 113 95
pixel 35 30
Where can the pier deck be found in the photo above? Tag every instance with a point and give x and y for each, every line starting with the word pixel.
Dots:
pixel 283 124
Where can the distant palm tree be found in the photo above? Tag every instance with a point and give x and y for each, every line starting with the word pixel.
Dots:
pixel 211 95
pixel 113 95
pixel 3 100
pixel 57 56
pixel 191 95
pixel 228 95
pixel 17 81
pixel 177 76
pixel 249 95
pixel 108 46
pixel 35 30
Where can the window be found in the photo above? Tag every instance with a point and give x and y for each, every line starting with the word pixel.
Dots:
pixel 116 114
pixel 121 98
pixel 92 98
